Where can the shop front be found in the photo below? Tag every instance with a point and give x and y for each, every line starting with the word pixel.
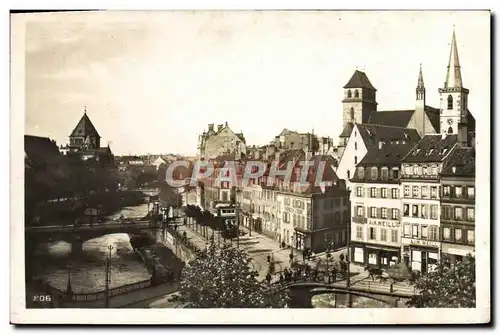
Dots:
pixel 302 239
pixel 420 255
pixel 453 253
pixel 382 256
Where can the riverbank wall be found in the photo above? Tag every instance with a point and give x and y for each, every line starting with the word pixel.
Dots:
pixel 179 248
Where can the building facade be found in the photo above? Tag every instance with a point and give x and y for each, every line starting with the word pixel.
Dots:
pixel 221 141
pixel 376 207
pixel 458 205
pixel 420 185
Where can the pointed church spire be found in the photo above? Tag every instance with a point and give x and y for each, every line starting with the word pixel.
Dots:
pixel 84 109
pixel 420 86
pixel 420 78
pixel 453 75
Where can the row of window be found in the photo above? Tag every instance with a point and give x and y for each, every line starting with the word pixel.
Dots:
pixel 330 203
pixel 424 211
pixel 420 191
pixel 459 191
pixel 457 213
pixel 385 173
pixel 378 192
pixel 421 170
pixel 431 233
pixel 374 212
pixel 383 235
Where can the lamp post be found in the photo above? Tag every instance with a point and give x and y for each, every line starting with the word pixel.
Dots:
pixel 108 276
pixel 153 262
pixel 291 251
pixel 69 290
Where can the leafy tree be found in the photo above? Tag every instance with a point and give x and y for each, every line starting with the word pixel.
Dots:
pixel 222 278
pixel 448 286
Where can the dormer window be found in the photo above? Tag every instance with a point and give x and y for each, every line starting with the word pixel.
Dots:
pixel 444 150
pixel 416 152
pixel 415 170
pixel 385 173
pixel 361 172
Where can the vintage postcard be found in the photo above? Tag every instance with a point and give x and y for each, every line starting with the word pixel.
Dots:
pixel 320 165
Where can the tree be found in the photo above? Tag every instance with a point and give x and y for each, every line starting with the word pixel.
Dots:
pixel 448 286
pixel 222 278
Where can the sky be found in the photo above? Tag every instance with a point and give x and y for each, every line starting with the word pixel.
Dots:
pixel 152 81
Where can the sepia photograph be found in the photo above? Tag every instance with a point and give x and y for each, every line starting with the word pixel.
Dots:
pixel 304 162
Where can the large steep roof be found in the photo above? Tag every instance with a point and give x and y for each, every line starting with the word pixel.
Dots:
pixel 359 80
pixel 84 128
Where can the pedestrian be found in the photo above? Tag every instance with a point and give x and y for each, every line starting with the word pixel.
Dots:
pixel 334 274
pixel 269 258
pixel 268 278
pixel 283 244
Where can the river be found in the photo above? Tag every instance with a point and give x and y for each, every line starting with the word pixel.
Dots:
pixel 55 265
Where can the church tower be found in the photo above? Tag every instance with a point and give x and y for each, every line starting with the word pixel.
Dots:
pixel 453 96
pixel 359 99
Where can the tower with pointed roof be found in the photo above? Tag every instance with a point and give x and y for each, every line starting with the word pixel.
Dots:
pixel 453 96
pixel 418 120
pixel 85 134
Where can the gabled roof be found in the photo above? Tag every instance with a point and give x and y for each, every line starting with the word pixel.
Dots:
pixel 431 148
pixel 464 161
pixel 84 128
pixel 372 134
pixel 242 137
pixel 359 80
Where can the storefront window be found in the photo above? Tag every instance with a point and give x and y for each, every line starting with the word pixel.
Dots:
pixel 372 258
pixel 358 255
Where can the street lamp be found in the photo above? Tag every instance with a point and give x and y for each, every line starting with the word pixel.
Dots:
pixel 291 251
pixel 108 275
pixel 69 290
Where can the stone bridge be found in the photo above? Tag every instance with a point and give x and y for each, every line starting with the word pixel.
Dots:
pixel 302 292
pixel 76 235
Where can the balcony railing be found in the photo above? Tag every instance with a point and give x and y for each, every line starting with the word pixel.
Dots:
pixel 359 220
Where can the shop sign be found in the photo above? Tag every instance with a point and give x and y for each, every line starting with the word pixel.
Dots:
pixel 420 242
pixel 390 224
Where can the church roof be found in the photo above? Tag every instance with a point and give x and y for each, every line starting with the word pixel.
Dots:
pixel 399 118
pixel 388 155
pixel 453 74
pixel 359 80
pixel 84 128
pixel 347 130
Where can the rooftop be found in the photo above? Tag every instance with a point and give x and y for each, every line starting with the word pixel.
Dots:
pixel 462 161
pixel 359 80
pixel 431 148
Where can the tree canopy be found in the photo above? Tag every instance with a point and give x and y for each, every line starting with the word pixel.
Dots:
pixel 222 278
pixel 448 286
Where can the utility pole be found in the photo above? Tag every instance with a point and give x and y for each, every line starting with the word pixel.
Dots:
pixel 237 211
pixel 348 258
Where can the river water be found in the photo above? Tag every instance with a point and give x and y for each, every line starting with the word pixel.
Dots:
pixel 55 265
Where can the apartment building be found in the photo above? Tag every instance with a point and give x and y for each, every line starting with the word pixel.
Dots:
pixel 376 206
pixel 314 214
pixel 458 205
pixel 420 185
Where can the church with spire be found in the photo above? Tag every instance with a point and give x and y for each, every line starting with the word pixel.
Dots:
pixel 85 142
pixel 452 116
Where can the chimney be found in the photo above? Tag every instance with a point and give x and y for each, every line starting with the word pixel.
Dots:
pixel 210 127
pixel 219 127
pixel 226 124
